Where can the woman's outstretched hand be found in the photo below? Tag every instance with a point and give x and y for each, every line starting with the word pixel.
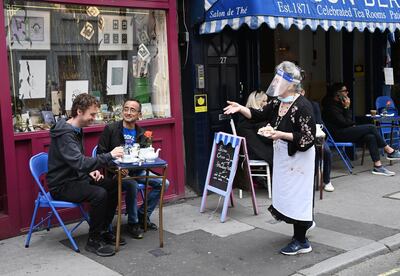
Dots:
pixel 232 108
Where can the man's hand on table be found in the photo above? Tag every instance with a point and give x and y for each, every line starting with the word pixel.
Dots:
pixel 117 152
pixel 96 175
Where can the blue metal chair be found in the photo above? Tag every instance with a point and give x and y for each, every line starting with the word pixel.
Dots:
pixel 386 129
pixel 38 167
pixel 341 149
pixel 140 186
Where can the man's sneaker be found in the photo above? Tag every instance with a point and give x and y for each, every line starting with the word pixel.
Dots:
pixel 395 155
pixel 295 247
pixel 150 225
pixel 382 171
pixel 99 247
pixel 135 231
pixel 110 238
pixel 329 187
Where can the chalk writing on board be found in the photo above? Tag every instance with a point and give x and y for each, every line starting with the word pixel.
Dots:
pixel 222 166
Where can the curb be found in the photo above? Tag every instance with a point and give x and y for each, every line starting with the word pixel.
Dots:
pixel 352 257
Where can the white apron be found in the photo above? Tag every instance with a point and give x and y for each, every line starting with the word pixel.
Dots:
pixel 293 182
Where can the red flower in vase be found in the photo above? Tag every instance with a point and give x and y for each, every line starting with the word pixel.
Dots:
pixel 148 134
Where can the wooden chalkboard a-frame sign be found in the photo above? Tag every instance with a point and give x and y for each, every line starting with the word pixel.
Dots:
pixel 222 169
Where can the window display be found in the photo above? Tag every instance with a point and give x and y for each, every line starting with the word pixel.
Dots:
pixel 58 51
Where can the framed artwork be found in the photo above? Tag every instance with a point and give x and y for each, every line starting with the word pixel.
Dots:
pixel 124 24
pixel 74 88
pixel 124 38
pixel 147 111
pixel 32 79
pixel 117 77
pixel 116 34
pixel 29 30
pixel 87 31
pixel 106 39
pixel 56 102
pixel 48 117
pixel 115 38
pixel 115 24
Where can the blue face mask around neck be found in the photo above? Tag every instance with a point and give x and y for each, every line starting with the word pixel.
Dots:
pixel 287 99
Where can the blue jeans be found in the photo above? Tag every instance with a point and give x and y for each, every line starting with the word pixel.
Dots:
pixel 130 186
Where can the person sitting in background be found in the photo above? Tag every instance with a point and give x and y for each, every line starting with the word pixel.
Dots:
pixel 327 154
pixel 337 116
pixel 258 147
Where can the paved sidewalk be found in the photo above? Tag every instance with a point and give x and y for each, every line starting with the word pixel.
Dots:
pixel 359 219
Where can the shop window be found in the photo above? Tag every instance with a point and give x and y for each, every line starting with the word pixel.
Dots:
pixel 58 51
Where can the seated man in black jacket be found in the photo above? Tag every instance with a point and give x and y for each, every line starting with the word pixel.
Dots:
pixel 74 177
pixel 337 116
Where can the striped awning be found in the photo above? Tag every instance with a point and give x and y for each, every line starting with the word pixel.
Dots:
pixel 223 13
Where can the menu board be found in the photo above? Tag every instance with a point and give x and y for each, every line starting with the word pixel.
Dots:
pixel 222 166
pixel 222 169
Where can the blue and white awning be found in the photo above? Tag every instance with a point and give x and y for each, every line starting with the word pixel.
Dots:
pixel 347 14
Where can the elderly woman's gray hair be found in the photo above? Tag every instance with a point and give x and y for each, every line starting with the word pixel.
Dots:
pixel 293 70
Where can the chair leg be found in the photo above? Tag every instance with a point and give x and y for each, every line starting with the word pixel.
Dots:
pixel 268 172
pixel 49 221
pixel 67 232
pixel 28 238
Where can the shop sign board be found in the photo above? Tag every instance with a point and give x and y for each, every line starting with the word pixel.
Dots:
pixel 347 10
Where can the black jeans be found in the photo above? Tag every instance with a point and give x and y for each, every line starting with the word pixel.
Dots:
pixel 102 197
pixel 361 134
pixel 326 175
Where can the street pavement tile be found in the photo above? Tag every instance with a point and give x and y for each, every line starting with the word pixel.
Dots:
pixel 254 252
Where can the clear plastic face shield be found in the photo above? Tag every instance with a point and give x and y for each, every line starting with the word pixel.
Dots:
pixel 281 83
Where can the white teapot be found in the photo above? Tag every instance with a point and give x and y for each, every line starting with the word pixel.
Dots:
pixel 149 154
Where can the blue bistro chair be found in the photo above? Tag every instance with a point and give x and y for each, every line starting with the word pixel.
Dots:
pixel 38 167
pixel 386 129
pixel 140 186
pixel 341 149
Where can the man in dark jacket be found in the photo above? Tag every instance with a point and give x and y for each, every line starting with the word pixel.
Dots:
pixel 127 132
pixel 337 116
pixel 74 177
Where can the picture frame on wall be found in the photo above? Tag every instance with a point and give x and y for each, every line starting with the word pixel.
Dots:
pixel 32 79
pixel 74 88
pixel 117 77
pixel 115 39
pixel 48 117
pixel 29 30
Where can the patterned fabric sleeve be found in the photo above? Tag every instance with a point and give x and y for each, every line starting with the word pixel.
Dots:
pixel 304 126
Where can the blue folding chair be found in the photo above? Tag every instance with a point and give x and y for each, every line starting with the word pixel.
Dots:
pixel 38 167
pixel 140 186
pixel 386 129
pixel 341 149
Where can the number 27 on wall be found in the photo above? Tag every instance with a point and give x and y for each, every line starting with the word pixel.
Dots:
pixel 222 60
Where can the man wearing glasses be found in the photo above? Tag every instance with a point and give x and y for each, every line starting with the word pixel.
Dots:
pixel 338 118
pixel 126 132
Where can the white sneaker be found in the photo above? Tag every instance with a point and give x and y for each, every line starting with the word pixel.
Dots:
pixel 329 187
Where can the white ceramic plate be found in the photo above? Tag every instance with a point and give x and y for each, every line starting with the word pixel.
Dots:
pixel 133 160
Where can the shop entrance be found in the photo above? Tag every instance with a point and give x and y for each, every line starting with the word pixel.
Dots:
pixel 222 81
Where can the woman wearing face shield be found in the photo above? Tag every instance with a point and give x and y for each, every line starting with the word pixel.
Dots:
pixel 293 131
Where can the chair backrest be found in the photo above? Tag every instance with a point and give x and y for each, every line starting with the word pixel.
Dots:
pixel 381 102
pixel 38 164
pixel 94 151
